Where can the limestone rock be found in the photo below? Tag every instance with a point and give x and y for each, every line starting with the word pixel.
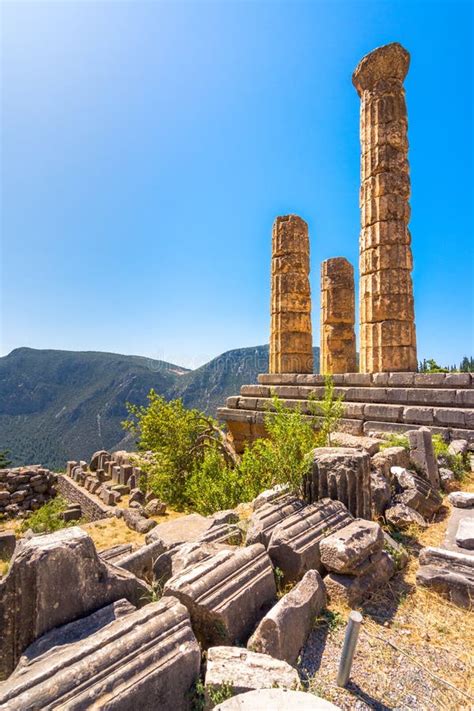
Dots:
pixel 277 700
pixel 343 474
pixel 422 454
pixel 141 561
pixel 291 342
pixel 417 493
pixel 246 671
pixel 338 342
pixel 458 446
pixel 390 457
pixel 175 560
pixel 52 580
pixel 353 589
pixel 380 492
pixel 345 550
pixel 462 499
pixel 387 326
pixel 227 516
pixel 269 495
pixel 263 521
pixel 449 573
pixel 155 508
pixel 114 552
pixel 284 629
pixel 136 495
pixel 226 594
pixel 98 460
pixel 295 543
pixel 370 444
pixel 447 478
pixel 180 530
pixel 7 544
pixel 131 663
pixel 465 533
pixel 402 516
pixel 137 522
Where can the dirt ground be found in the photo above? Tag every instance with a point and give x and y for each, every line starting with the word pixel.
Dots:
pixel 415 649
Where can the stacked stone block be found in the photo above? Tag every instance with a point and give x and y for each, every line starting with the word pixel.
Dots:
pixel 387 322
pixel 291 343
pixel 338 343
pixel 25 489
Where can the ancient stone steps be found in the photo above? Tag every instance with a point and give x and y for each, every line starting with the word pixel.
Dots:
pixel 409 380
pixel 377 411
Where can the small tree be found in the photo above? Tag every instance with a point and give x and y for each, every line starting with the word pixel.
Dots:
pixel 4 460
pixel 330 409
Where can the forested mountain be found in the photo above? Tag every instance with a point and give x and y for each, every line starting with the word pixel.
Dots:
pixel 60 405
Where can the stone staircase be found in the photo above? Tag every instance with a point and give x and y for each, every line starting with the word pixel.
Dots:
pixel 373 403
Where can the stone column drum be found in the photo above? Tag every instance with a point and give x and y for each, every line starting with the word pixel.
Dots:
pixel 291 343
pixel 338 344
pixel 387 326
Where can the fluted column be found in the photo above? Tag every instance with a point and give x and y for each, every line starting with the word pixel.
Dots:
pixel 291 343
pixel 338 346
pixel 387 324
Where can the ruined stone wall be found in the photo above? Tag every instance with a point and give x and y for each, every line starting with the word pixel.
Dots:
pixel 25 489
pixel 91 508
pixel 291 342
pixel 387 326
pixel 338 343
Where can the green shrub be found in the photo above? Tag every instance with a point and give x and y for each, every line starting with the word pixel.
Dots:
pixel 455 462
pixel 330 411
pixel 396 440
pixel 194 467
pixel 48 518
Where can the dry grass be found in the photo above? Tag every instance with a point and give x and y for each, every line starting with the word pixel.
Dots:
pixel 414 650
pixel 112 531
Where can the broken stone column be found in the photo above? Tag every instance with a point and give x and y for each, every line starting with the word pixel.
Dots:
pixel 116 658
pixel 291 342
pixel 341 474
pixel 387 325
pixel 52 580
pixel 338 344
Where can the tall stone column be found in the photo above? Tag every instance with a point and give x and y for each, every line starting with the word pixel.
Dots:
pixel 387 322
pixel 338 345
pixel 291 342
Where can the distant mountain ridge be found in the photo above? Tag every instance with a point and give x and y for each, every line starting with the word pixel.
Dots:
pixel 60 405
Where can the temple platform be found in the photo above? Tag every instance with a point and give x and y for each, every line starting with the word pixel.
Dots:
pixel 374 403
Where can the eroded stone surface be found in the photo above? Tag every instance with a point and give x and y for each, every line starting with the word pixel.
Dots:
pixel 291 343
pixel 52 580
pixel 422 454
pixel 338 343
pixel 462 499
pixel 345 550
pixel 342 474
pixel 264 520
pixel 402 516
pixel 226 594
pixel 276 699
pixel 352 589
pixel 180 530
pixel 449 573
pixel 284 630
pixel 295 543
pixel 130 663
pixel 465 533
pixel 387 326
pixel 417 492
pixel 245 670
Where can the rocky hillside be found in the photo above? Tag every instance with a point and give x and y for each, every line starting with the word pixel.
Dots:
pixel 60 405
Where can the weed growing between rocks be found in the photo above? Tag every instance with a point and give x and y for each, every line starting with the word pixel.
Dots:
pixel 48 518
pixel 396 440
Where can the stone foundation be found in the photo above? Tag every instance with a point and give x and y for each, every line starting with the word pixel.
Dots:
pixel 92 509
pixel 25 489
pixel 373 403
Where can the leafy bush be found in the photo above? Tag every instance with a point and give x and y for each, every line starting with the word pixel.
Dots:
pixel 396 440
pixel 455 462
pixel 193 466
pixel 48 518
pixel 330 409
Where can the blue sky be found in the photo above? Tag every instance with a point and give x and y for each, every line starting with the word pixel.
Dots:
pixel 148 146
